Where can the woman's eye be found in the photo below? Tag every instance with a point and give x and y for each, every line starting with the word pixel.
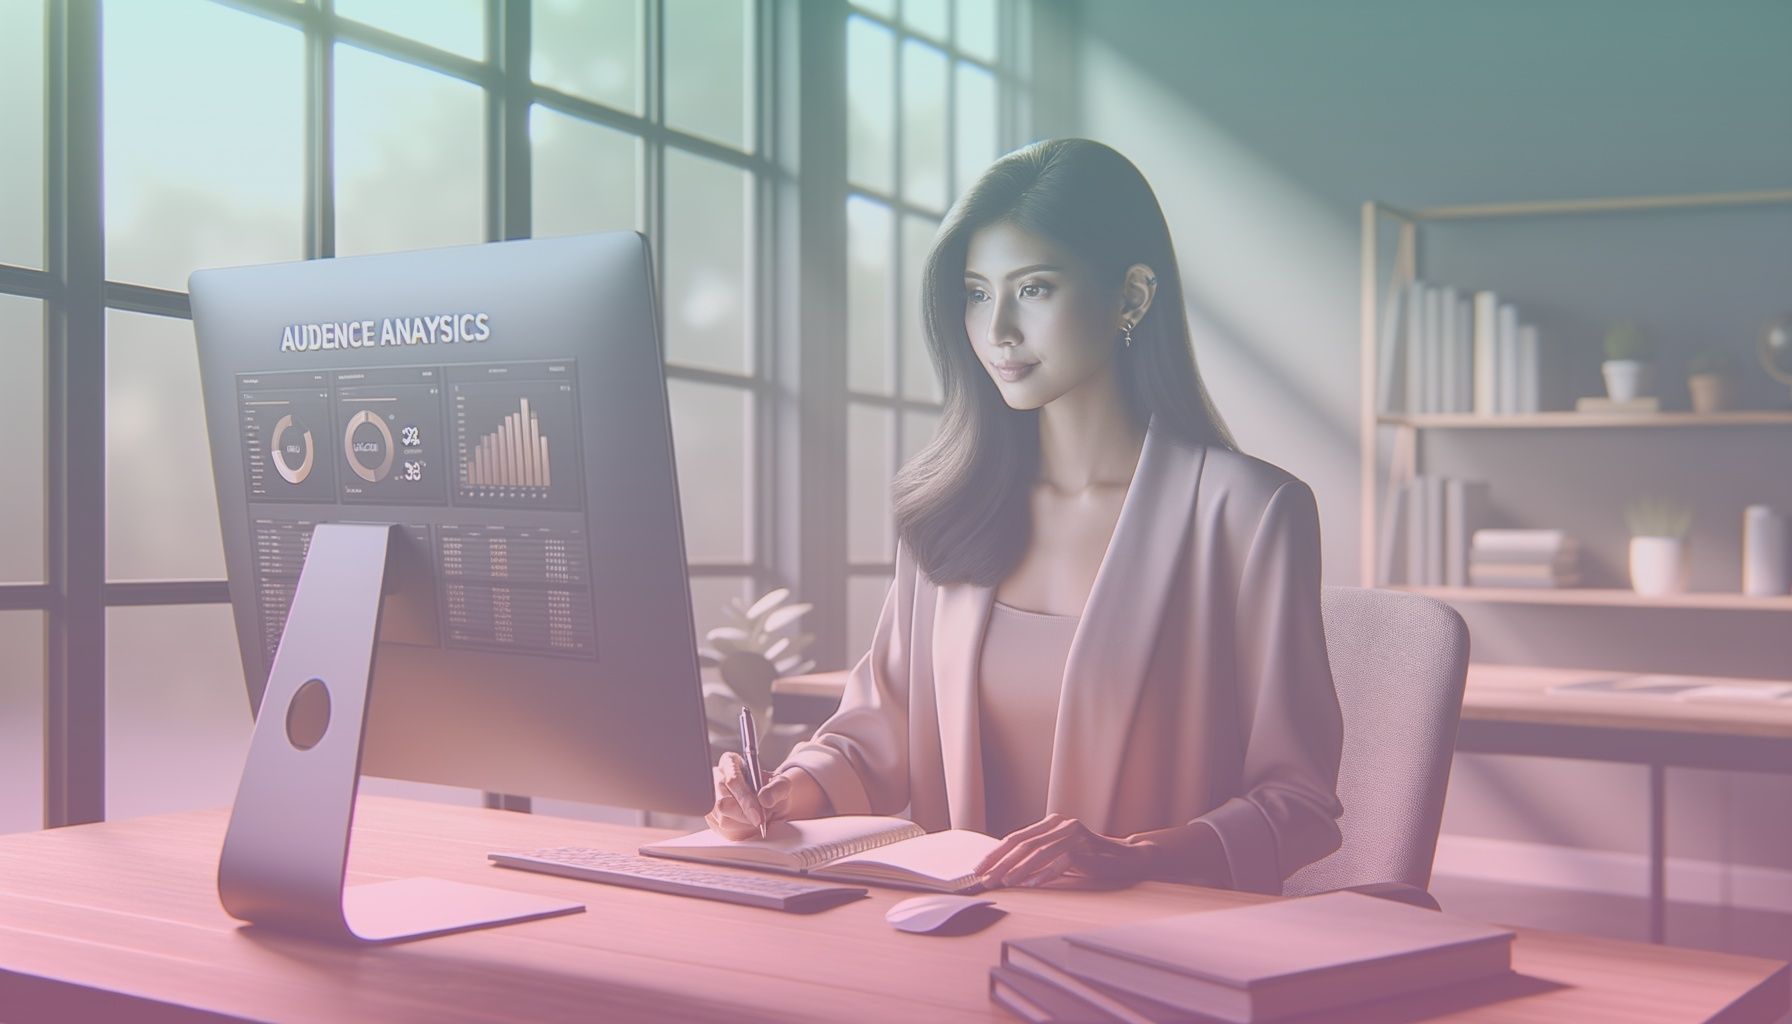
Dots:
pixel 975 295
pixel 1035 288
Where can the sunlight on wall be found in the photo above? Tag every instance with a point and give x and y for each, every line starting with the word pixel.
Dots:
pixel 1270 278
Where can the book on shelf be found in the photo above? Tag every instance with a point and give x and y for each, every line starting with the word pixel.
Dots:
pixel 1563 558
pixel 1486 305
pixel 1522 539
pixel 1269 961
pixel 1443 371
pixel 1465 509
pixel 1390 355
pixel 1414 538
pixel 1465 355
pixel 1456 352
pixel 1434 529
pixel 1391 551
pixel 1513 558
pixel 1529 373
pixel 1415 347
pixel 1599 403
pixel 849 848
pixel 1426 527
pixel 1506 352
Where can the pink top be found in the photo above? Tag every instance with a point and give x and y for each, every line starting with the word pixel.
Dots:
pixel 1020 676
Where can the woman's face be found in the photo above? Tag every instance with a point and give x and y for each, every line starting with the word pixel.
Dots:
pixel 1036 318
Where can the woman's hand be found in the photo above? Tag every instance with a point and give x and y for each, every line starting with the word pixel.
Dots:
pixel 739 812
pixel 1055 845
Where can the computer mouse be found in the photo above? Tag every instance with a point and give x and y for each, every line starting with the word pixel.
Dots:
pixel 923 914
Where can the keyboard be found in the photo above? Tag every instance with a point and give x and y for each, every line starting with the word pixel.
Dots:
pixel 661 875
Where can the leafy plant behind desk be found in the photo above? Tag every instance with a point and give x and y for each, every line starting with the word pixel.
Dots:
pixel 751 653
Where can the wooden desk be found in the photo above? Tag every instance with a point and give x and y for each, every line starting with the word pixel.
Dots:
pixel 121 921
pixel 1507 709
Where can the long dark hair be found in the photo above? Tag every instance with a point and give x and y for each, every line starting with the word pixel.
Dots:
pixel 962 503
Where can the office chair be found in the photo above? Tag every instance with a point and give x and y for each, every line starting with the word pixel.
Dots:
pixel 1399 662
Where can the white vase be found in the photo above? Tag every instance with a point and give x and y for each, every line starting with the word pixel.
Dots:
pixel 1764 550
pixel 1660 565
pixel 1623 378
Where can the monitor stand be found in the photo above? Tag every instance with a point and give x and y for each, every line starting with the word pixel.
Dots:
pixel 286 851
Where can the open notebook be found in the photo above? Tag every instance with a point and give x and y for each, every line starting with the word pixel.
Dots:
pixel 850 847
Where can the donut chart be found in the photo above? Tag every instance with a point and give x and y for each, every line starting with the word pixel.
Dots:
pixel 380 450
pixel 291 474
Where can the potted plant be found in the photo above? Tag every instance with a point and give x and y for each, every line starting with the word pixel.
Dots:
pixel 1627 352
pixel 1660 551
pixel 751 653
pixel 1708 376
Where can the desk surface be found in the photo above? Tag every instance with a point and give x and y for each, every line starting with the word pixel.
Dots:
pixel 1519 693
pixel 122 920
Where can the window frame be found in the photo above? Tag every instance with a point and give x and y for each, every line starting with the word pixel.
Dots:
pixel 1011 68
pixel 797 377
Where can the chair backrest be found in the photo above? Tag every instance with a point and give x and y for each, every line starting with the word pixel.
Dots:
pixel 1399 662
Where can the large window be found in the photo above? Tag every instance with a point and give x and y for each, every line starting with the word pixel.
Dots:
pixel 249 131
pixel 926 80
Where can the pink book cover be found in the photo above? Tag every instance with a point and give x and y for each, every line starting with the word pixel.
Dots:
pixel 1274 959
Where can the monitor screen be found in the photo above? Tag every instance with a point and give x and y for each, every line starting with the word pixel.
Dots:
pixel 503 405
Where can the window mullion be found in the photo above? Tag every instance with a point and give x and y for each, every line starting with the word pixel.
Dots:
pixel 75 683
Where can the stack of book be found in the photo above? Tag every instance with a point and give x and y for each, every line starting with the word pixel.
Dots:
pixel 1453 351
pixel 1426 528
pixel 1262 962
pixel 1524 558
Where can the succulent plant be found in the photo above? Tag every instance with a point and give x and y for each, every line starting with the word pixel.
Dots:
pixel 1657 517
pixel 1627 341
pixel 1710 360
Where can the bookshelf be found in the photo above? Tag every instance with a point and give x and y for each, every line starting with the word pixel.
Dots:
pixel 1404 465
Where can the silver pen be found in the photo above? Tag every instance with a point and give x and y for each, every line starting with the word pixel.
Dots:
pixel 749 749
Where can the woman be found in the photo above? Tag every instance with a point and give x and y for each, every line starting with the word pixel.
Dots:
pixel 1103 641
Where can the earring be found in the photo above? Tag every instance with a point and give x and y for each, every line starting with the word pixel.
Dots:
pixel 1126 332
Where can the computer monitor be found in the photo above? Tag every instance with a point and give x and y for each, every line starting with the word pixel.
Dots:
pixel 504 406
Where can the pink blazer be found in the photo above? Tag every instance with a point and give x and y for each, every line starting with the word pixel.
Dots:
pixel 1197 686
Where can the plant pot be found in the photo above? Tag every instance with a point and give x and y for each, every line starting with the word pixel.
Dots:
pixel 1710 391
pixel 1660 565
pixel 1625 379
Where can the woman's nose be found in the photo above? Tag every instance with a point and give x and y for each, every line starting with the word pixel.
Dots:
pixel 1002 328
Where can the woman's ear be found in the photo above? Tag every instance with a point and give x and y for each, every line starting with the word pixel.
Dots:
pixel 1137 293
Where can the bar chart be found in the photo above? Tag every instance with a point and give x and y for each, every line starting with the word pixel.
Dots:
pixel 514 455
pixel 516 436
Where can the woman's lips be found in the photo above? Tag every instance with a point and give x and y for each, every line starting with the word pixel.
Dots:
pixel 1013 371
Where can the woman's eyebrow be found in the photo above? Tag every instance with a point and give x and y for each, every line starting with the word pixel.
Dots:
pixel 1018 273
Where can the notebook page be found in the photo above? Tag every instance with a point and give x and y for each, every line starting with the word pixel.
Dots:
pixel 792 845
pixel 949 857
